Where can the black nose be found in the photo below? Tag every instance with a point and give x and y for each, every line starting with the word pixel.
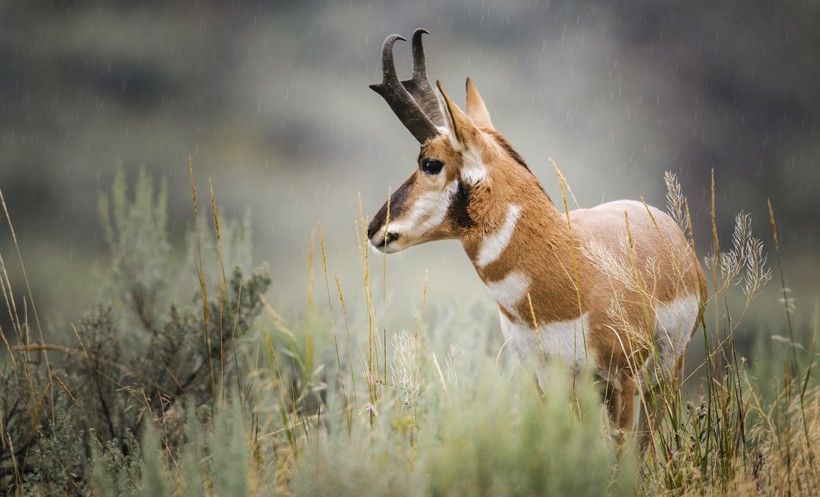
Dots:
pixel 371 230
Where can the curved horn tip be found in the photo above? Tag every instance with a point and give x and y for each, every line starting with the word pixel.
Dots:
pixel 388 66
pixel 418 50
pixel 390 40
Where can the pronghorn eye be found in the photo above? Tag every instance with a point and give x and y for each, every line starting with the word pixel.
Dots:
pixel 431 166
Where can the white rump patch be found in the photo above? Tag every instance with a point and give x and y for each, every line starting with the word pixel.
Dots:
pixel 674 323
pixel 493 246
pixel 509 291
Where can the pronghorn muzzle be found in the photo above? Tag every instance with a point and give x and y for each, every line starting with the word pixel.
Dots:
pixel 379 232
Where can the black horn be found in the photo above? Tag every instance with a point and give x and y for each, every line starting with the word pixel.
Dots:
pixel 419 86
pixel 405 104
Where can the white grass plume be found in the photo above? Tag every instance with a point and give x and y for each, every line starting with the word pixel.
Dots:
pixel 745 263
pixel 675 201
pixel 404 370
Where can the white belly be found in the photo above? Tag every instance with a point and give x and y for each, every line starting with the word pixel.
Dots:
pixel 563 343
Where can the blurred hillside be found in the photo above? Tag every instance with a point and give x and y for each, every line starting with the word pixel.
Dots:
pixel 270 100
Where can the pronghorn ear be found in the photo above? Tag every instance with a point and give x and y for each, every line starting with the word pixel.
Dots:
pixel 476 109
pixel 460 125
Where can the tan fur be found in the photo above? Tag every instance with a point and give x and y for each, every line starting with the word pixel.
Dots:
pixel 554 252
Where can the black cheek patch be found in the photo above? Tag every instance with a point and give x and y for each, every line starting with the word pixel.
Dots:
pixel 458 210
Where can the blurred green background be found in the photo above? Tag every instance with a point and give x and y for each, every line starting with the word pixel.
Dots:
pixel 270 100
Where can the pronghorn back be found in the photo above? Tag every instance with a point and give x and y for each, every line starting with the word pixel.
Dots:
pixel 615 288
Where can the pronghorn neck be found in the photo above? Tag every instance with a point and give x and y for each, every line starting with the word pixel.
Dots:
pixel 519 241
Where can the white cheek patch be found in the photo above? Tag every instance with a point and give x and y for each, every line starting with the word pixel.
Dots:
pixel 493 246
pixel 425 214
pixel 473 171
pixel 674 323
pixel 509 291
pixel 474 175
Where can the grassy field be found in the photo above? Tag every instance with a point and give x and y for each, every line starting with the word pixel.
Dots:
pixel 186 381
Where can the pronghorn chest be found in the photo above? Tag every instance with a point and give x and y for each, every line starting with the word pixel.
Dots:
pixel 529 303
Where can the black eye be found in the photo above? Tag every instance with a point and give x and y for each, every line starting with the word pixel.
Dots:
pixel 431 166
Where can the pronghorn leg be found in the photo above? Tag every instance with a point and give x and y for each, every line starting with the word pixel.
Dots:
pixel 647 415
pixel 610 398
pixel 649 401
pixel 651 404
pixel 626 405
pixel 620 402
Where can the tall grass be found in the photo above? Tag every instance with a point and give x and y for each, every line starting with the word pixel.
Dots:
pixel 336 402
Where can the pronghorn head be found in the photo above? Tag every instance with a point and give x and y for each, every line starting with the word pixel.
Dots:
pixel 460 154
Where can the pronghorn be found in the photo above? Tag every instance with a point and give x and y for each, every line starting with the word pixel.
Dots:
pixel 615 287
